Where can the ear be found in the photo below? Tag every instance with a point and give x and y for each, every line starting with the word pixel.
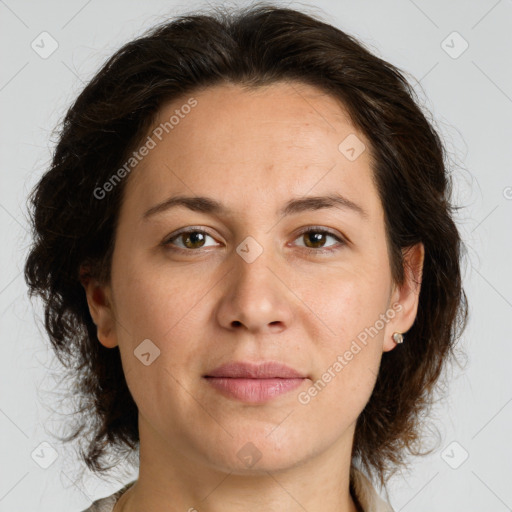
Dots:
pixel 405 298
pixel 100 308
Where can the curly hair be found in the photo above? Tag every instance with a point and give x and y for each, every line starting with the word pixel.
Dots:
pixel 250 47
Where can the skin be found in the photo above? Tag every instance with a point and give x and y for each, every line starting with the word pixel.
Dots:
pixel 252 151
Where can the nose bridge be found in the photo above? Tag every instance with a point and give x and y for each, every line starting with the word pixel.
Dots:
pixel 253 295
pixel 253 261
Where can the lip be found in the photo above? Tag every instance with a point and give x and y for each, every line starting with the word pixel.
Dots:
pixel 253 382
pixel 247 370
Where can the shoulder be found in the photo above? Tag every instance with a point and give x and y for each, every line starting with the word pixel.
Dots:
pixel 366 493
pixel 107 504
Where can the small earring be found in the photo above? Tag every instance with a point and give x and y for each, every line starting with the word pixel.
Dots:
pixel 398 337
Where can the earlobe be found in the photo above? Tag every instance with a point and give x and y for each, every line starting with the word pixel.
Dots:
pixel 406 296
pixel 100 308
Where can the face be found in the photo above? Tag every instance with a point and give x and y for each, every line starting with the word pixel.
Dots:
pixel 257 278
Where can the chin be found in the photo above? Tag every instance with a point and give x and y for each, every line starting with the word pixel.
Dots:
pixel 260 451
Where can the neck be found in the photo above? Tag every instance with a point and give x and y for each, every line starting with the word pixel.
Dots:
pixel 171 479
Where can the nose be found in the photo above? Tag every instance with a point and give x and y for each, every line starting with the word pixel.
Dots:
pixel 256 296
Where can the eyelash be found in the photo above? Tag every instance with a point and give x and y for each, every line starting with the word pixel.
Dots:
pixel 312 229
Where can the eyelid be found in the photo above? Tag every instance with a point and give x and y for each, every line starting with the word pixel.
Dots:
pixel 323 229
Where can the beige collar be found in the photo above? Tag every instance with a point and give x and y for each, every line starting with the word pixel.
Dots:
pixel 366 493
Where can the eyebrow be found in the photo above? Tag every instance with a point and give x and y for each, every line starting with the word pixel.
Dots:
pixel 209 205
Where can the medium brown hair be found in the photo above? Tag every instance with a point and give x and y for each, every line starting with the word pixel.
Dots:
pixel 254 46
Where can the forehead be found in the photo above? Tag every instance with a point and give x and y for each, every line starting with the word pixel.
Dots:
pixel 263 144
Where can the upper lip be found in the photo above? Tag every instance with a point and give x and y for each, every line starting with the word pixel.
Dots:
pixel 247 370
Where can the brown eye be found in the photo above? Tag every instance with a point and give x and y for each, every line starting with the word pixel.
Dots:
pixel 190 240
pixel 315 238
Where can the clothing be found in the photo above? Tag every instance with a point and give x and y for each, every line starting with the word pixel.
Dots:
pixel 107 504
pixel 363 489
pixel 366 494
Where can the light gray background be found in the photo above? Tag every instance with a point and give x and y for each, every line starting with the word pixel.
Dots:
pixel 471 99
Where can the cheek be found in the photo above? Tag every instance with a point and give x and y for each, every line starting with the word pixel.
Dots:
pixel 164 310
pixel 349 325
pixel 156 340
pixel 150 300
pixel 347 368
pixel 347 301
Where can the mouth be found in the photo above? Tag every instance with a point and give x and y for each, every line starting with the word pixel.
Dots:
pixel 254 383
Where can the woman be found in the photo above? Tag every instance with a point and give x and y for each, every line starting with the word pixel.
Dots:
pixel 249 265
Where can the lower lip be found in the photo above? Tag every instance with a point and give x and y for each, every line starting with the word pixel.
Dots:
pixel 253 390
